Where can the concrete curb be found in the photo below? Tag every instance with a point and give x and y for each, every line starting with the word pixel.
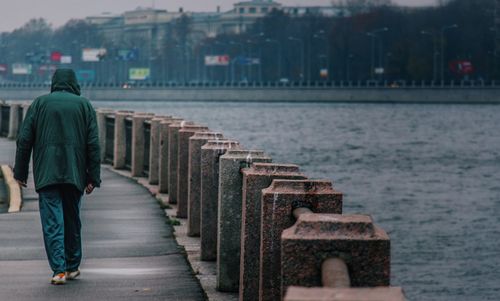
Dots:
pixel 204 271
pixel 14 191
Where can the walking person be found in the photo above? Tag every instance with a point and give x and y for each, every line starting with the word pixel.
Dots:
pixel 60 129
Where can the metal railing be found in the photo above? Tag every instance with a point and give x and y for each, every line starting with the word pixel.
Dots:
pixel 338 84
pixel 110 139
pixel 147 145
pixel 128 143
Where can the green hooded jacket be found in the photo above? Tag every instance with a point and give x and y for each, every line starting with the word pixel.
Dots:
pixel 61 130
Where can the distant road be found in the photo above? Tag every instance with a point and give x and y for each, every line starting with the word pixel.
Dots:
pixel 408 94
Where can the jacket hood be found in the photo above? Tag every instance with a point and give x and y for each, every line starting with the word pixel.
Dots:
pixel 65 80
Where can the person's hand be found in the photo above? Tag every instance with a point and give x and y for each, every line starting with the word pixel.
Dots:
pixel 89 188
pixel 21 183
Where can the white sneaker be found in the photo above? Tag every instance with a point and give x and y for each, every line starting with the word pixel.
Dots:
pixel 58 279
pixel 72 275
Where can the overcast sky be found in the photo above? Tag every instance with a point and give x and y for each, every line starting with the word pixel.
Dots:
pixel 14 14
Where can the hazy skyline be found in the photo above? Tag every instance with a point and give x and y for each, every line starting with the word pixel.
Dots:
pixel 14 14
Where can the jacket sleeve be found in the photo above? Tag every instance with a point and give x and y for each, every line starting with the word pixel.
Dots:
pixel 93 150
pixel 25 141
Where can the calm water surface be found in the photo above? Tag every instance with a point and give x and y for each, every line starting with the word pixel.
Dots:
pixel 428 174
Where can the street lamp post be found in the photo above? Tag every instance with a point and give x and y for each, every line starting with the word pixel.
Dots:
pixel 443 31
pixel 434 53
pixel 258 37
pixel 279 55
pixel 205 53
pixel 227 67
pixel 326 55
pixel 250 54
pixel 301 55
pixel 373 35
pixel 233 61
pixel 198 61
pixel 348 71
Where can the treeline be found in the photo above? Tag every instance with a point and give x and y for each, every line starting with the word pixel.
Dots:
pixel 408 43
pixel 366 39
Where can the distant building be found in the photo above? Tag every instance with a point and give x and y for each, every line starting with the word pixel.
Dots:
pixel 236 21
pixel 147 27
pixel 329 11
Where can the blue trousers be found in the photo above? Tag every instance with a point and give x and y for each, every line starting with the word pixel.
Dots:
pixel 61 225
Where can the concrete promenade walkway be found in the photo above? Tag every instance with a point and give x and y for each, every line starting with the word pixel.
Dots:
pixel 128 248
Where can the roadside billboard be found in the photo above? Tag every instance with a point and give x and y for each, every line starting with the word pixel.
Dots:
pixel 128 54
pixel 21 69
pixel 93 54
pixel 323 73
pixel 139 73
pixel 85 76
pixel 461 67
pixel 247 61
pixel 217 60
pixel 55 56
pixel 45 68
pixel 66 59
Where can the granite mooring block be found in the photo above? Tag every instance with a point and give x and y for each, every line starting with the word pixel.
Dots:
pixel 183 168
pixel 173 158
pixel 14 120
pixel 164 149
pixel 154 150
pixel 194 184
pixel 119 149
pixel 210 154
pixel 230 208
pixel 278 202
pixel 101 125
pixel 256 178
pixel 137 164
pixel 364 247
pixel 295 293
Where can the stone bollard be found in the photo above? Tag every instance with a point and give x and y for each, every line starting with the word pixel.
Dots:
pixel 25 106
pixel 314 238
pixel 109 151
pixel 210 154
pixel 256 178
pixel 278 202
pixel 183 168
pixel 194 184
pixel 101 125
pixel 345 294
pixel 5 119
pixel 164 149
pixel 137 162
pixel 155 149
pixel 14 120
pixel 2 104
pixel 173 158
pixel 229 208
pixel 119 149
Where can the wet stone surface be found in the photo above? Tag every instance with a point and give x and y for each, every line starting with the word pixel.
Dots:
pixel 210 154
pixel 230 210
pixel 255 178
pixel 183 168
pixel 278 202
pixel 173 158
pixel 345 294
pixel 363 246
pixel 194 180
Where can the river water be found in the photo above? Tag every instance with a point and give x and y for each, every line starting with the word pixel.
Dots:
pixel 428 174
